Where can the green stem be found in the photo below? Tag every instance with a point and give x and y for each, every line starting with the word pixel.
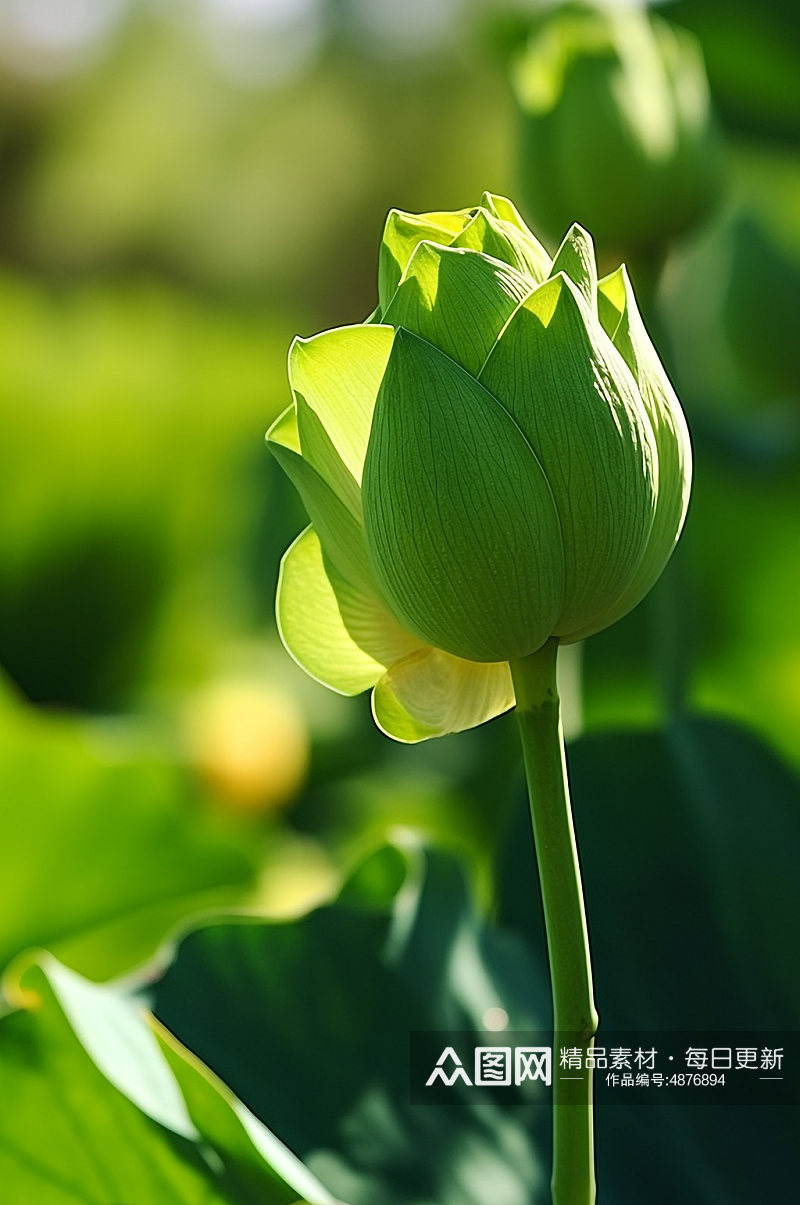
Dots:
pixel 574 1015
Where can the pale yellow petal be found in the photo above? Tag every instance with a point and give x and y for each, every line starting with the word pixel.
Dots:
pixel 338 635
pixel 431 693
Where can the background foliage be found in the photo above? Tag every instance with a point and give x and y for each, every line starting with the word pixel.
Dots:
pixel 183 187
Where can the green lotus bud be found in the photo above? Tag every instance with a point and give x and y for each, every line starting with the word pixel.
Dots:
pixel 498 461
pixel 615 125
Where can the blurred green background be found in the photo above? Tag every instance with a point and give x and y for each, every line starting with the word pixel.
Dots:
pixel 184 186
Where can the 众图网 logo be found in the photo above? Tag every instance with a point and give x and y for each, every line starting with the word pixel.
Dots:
pixel 494 1067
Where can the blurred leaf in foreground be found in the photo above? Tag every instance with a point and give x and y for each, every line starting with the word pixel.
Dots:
pixel 309 1021
pixel 99 1107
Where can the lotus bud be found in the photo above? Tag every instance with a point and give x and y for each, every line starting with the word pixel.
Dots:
pixel 615 125
pixel 499 460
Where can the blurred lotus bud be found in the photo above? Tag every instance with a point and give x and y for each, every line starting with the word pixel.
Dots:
pixel 616 128
pixel 498 461
pixel 249 743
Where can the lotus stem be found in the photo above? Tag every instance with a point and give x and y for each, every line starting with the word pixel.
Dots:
pixel 575 1018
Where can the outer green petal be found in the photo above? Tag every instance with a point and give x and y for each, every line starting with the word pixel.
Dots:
pixel 610 312
pixel 402 235
pixel 335 377
pixel 505 241
pixel 501 207
pixel 431 693
pixel 284 432
pixel 559 376
pixel 458 300
pixel 621 319
pixel 575 258
pixel 341 532
pixel 451 488
pixel 340 637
